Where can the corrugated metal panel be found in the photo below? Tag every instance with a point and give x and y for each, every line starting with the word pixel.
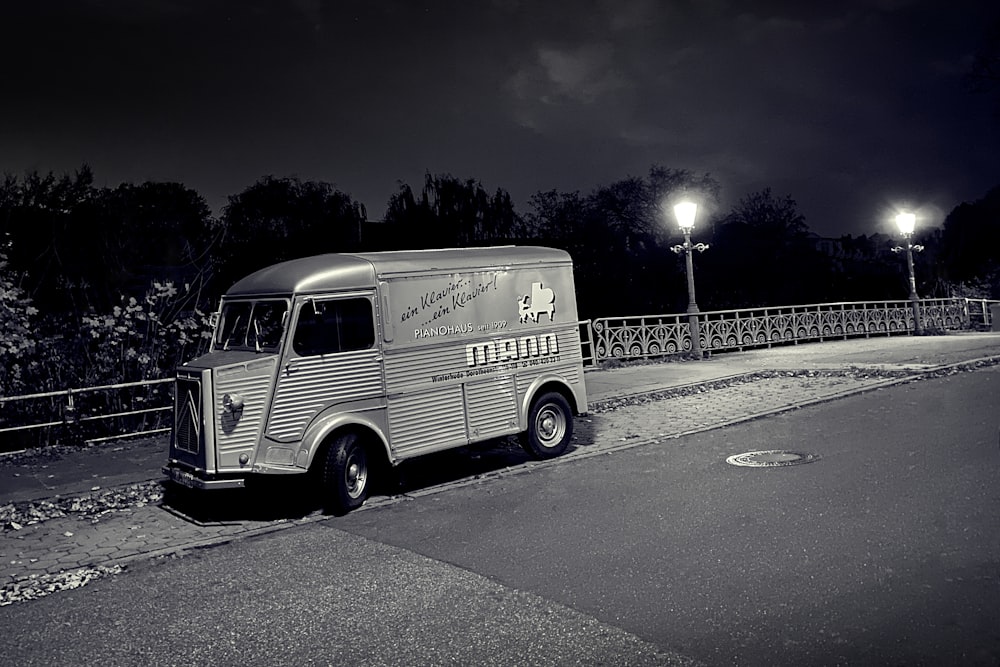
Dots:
pixel 408 368
pixel 235 435
pixel 524 379
pixel 307 386
pixel 568 368
pixel 427 421
pixel 492 407
pixel 432 388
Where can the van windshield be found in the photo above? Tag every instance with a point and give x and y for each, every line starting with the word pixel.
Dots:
pixel 251 325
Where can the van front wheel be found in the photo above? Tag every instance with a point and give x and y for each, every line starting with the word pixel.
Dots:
pixel 550 426
pixel 345 475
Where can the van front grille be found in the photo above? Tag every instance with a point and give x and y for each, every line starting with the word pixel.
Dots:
pixel 187 426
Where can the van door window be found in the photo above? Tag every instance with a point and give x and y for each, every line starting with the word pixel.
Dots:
pixel 327 327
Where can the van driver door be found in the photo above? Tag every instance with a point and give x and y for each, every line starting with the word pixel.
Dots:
pixel 334 360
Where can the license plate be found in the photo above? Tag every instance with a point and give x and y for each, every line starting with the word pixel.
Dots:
pixel 184 478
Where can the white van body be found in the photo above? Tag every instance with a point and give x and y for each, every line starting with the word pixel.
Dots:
pixel 336 362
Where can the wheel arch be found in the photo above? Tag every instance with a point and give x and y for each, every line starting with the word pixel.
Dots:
pixel 319 438
pixel 543 385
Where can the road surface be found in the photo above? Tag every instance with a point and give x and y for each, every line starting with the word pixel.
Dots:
pixel 885 550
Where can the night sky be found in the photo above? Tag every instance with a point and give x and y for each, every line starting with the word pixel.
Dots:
pixel 851 108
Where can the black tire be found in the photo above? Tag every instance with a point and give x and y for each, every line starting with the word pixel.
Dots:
pixel 345 475
pixel 550 426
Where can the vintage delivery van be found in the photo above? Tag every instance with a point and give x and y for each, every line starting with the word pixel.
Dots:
pixel 346 364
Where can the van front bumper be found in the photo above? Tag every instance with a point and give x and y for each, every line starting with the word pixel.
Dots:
pixel 193 481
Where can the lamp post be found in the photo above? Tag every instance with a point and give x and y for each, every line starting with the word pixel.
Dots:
pixel 685 213
pixel 906 222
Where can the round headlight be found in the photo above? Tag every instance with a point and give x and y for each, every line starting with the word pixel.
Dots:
pixel 233 404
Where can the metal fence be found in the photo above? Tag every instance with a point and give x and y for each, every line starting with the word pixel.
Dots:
pixel 90 414
pixel 981 313
pixel 106 412
pixel 657 335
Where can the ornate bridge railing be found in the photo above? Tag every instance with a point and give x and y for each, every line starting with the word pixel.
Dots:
pixel 656 335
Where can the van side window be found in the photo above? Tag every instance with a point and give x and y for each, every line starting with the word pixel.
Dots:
pixel 340 325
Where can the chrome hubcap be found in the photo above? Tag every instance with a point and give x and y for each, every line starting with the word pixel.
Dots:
pixel 355 476
pixel 550 427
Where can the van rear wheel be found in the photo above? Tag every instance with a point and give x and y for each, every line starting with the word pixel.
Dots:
pixel 345 475
pixel 550 426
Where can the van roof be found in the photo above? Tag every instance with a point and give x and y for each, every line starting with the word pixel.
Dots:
pixel 346 271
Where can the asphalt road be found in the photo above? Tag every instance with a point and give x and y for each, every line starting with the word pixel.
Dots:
pixel 886 550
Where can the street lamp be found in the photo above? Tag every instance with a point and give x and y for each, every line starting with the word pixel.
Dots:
pixel 685 213
pixel 906 222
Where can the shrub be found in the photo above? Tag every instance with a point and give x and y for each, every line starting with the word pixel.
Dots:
pixel 17 341
pixel 142 339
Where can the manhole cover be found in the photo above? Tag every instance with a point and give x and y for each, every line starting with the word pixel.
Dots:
pixel 771 458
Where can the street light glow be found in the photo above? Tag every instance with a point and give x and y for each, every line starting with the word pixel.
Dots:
pixel 685 213
pixel 906 222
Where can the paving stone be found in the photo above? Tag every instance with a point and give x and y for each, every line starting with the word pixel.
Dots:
pixel 99 554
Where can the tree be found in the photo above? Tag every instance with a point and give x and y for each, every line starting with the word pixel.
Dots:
pixel 764 256
pixel 277 219
pixel 149 231
pixel 36 214
pixel 85 246
pixel 570 222
pixel 555 217
pixel 619 237
pixel 17 338
pixel 865 268
pixel 450 213
pixel 970 245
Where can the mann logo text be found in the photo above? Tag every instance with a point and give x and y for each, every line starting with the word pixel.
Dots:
pixel 511 349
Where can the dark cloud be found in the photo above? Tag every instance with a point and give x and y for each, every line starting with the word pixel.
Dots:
pixel 846 107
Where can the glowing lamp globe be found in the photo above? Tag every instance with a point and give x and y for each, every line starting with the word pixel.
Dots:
pixel 685 213
pixel 906 222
